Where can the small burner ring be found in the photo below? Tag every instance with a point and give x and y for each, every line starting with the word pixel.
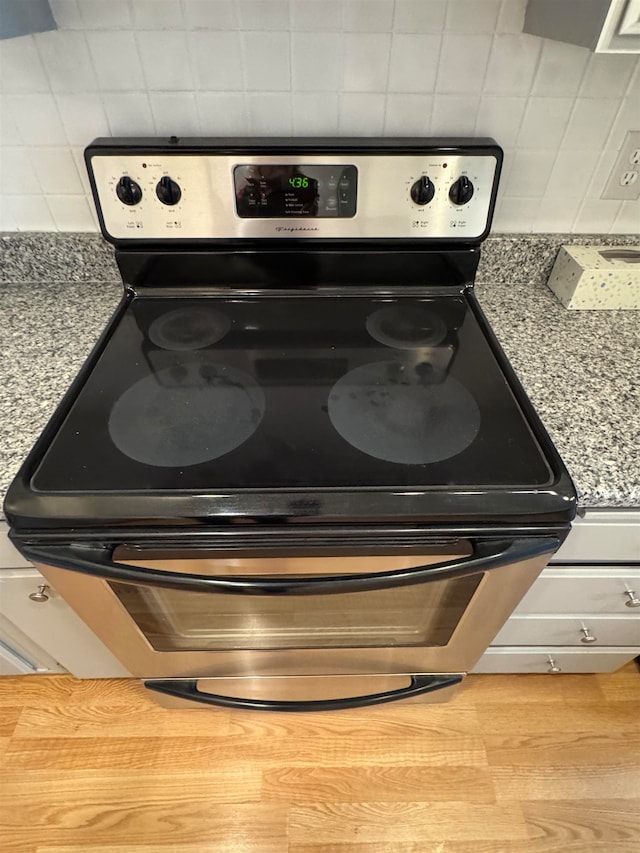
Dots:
pixel 406 327
pixel 189 328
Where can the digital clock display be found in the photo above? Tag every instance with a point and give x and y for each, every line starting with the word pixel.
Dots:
pixel 278 190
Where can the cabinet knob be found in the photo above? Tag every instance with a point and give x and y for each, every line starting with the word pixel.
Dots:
pixel 41 595
pixel 587 635
pixel 552 665
pixel 633 601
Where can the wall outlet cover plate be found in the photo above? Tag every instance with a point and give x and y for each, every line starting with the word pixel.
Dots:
pixel 624 180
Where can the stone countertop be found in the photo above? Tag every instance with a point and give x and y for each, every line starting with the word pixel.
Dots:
pixel 47 330
pixel 580 368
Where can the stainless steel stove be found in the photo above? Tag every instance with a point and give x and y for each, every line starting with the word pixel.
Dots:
pixel 297 471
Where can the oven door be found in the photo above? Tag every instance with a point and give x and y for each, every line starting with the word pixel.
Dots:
pixel 197 614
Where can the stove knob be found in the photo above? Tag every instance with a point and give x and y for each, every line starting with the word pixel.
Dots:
pixel 128 191
pixel 423 190
pixel 461 190
pixel 168 191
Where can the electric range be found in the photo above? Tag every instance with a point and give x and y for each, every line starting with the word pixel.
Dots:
pixel 298 408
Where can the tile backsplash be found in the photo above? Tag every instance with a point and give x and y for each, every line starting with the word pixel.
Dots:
pixel 315 67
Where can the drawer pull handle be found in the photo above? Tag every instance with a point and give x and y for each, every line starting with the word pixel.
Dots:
pixel 552 665
pixel 588 636
pixel 41 595
pixel 634 601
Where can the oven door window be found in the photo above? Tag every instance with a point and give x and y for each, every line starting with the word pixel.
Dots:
pixel 423 614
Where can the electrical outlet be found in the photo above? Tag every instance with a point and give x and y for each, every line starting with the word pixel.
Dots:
pixel 624 180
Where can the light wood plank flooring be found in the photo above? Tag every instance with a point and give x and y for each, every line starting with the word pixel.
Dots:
pixel 533 764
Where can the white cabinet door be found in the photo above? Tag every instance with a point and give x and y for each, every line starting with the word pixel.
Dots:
pixel 45 634
pixel 54 626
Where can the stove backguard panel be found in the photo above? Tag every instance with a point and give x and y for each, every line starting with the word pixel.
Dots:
pixel 206 193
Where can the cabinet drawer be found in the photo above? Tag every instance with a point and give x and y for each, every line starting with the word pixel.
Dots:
pixel 570 631
pixel 573 590
pixel 603 536
pixel 523 659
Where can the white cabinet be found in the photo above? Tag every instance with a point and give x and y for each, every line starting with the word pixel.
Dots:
pixel 19 653
pixel 604 26
pixel 583 613
pixel 39 632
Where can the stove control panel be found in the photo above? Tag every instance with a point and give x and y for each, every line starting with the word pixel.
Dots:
pixel 151 193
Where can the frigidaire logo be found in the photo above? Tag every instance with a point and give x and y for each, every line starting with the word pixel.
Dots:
pixel 292 228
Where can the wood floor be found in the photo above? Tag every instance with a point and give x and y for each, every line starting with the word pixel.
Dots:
pixel 514 763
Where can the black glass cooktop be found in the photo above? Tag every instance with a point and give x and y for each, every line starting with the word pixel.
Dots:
pixel 204 394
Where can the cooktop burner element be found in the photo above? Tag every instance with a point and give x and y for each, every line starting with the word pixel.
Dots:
pixel 385 410
pixel 186 414
pixel 406 327
pixel 189 328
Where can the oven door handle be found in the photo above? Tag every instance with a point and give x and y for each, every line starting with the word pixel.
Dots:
pixel 97 560
pixel 187 688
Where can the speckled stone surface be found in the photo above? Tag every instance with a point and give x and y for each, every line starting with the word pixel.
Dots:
pixel 530 257
pixel 47 331
pixel 49 256
pixel 581 369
